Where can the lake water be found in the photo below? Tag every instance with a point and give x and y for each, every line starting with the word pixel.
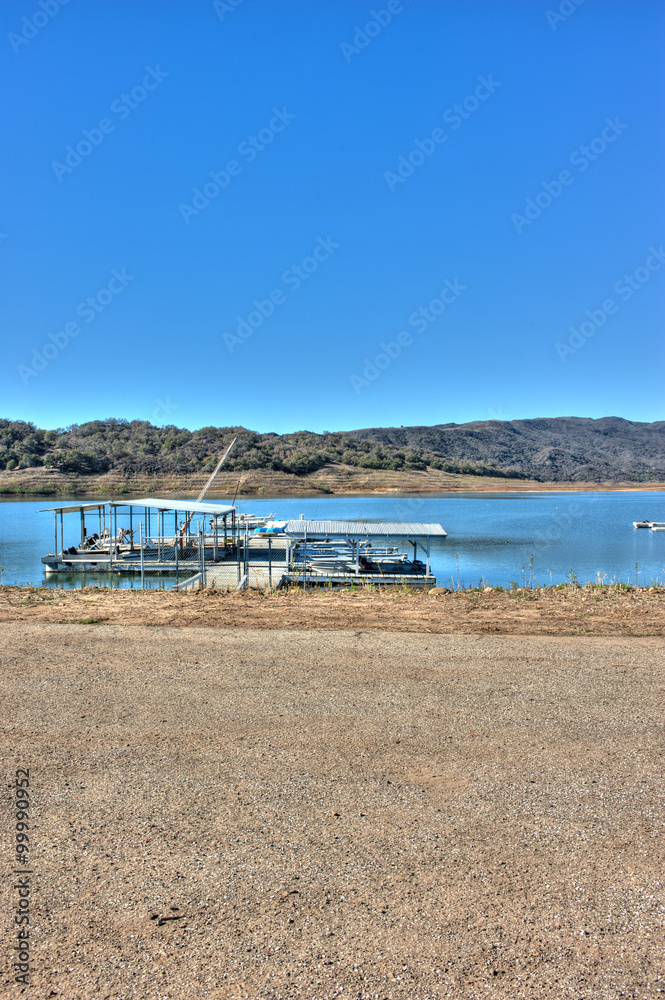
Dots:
pixel 490 536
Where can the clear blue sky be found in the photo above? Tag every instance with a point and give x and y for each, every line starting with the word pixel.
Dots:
pixel 181 86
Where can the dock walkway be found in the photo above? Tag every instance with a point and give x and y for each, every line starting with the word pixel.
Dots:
pixel 266 565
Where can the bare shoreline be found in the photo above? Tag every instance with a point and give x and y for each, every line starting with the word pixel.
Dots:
pixel 25 485
pixel 566 611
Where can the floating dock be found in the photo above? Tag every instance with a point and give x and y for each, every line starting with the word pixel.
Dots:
pixel 194 544
pixel 345 553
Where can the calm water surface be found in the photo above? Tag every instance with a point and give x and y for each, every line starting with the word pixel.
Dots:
pixel 493 535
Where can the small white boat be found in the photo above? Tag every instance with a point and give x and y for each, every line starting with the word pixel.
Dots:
pixel 641 524
pixel 270 528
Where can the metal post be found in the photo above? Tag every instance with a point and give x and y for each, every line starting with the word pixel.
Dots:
pixel 82 526
pixel 131 525
pixel 203 550
pixel 142 563
pixel 62 537
pixel 55 529
pixel 110 537
pixel 428 557
pixel 357 556
pixel 202 555
pixel 304 564
pixel 175 549
pixel 270 562
pixel 246 557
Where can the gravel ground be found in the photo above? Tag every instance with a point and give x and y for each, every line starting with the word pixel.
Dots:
pixel 234 813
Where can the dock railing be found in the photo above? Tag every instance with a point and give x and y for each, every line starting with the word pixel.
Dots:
pixel 174 561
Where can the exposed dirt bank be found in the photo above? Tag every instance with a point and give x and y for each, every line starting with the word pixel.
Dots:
pixel 573 611
pixel 337 479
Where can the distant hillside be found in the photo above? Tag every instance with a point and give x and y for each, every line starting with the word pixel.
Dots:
pixel 561 449
pixel 558 449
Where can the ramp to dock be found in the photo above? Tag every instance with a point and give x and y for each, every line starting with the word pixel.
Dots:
pixel 264 563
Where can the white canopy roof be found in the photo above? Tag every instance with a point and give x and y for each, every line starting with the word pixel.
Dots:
pixel 184 506
pixel 72 508
pixel 361 529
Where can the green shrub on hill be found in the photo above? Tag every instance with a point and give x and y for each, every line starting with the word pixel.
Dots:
pixel 554 450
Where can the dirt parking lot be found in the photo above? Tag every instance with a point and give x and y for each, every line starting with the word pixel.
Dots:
pixel 232 813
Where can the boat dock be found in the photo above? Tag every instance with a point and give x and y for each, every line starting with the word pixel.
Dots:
pixel 345 553
pixel 193 544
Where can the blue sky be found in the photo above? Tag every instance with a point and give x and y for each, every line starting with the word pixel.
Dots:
pixel 361 251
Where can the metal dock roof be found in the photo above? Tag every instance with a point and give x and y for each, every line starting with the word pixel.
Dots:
pixel 361 529
pixel 73 507
pixel 184 506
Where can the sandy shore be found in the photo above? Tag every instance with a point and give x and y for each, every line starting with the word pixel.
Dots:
pixel 232 813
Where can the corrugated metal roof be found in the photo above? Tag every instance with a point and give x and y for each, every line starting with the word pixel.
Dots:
pixel 360 529
pixel 183 506
pixel 186 506
pixel 74 507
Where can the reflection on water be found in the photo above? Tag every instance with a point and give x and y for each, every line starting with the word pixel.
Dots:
pixel 491 537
